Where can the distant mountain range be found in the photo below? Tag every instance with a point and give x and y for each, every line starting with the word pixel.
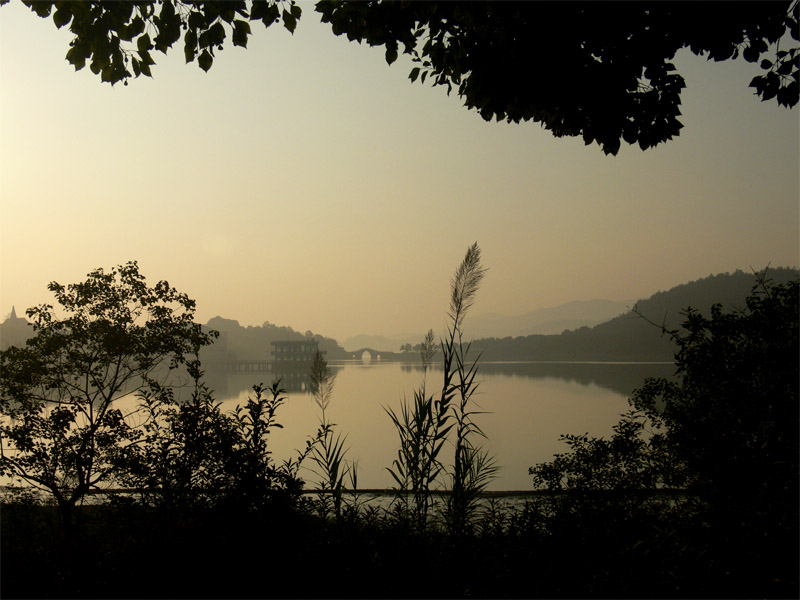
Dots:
pixel 389 343
pixel 620 336
pixel 544 321
pixel 629 337
pixel 600 330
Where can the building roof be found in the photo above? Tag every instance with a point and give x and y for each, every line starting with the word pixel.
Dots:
pixel 295 342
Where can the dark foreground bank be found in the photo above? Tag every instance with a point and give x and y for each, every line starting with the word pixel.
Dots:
pixel 564 548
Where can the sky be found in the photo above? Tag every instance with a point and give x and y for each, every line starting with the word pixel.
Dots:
pixel 305 182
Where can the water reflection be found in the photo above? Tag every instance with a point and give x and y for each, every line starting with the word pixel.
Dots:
pixel 621 378
pixel 527 405
pixel 234 384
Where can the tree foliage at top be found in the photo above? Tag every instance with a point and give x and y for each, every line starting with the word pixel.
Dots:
pixel 599 71
pixel 117 37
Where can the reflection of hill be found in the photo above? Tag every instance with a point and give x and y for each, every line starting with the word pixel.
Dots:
pixel 628 337
pixel 622 378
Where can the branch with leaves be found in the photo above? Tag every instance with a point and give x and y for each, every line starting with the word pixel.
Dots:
pixel 603 72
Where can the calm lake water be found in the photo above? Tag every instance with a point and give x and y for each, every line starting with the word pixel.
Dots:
pixel 528 406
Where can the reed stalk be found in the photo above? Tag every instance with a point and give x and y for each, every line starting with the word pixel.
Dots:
pixel 424 424
pixel 330 451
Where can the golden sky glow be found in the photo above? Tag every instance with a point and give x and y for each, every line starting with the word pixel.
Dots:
pixel 305 182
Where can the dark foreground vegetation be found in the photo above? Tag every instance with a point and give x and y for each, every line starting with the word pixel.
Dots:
pixel 136 552
pixel 694 495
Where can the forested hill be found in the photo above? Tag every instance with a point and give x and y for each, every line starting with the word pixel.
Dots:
pixel 236 342
pixel 629 337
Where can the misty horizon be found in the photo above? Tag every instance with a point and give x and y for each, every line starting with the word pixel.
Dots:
pixel 549 321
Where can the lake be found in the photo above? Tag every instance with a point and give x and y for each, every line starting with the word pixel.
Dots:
pixel 528 406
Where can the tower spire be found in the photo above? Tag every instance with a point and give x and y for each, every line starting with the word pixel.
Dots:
pixel 13 312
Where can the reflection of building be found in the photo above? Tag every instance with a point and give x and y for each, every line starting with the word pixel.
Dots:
pixel 292 380
pixel 294 353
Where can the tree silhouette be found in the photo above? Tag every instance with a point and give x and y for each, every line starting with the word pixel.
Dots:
pixel 724 430
pixel 595 70
pixel 60 426
pixel 732 415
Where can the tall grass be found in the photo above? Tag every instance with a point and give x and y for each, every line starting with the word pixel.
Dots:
pixel 473 467
pixel 424 424
pixel 329 453
pixel 422 427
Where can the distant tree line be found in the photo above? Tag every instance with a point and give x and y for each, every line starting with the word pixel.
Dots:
pixel 254 343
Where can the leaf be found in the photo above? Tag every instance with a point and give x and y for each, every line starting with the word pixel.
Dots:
pixel 787 96
pixel 750 54
pixel 75 58
pixel 241 29
pixel 271 13
pixel 205 60
pixel 243 25
pixel 62 16
pixel 136 27
pixel 258 11
pixel 146 58
pixel 42 9
pixel 143 43
pixel 414 74
pixel 216 34
pixel 771 87
pixel 190 45
pixel 391 54
pixel 107 73
pixel 239 38
pixel 289 21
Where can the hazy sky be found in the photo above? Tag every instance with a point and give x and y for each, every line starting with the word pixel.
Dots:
pixel 305 182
